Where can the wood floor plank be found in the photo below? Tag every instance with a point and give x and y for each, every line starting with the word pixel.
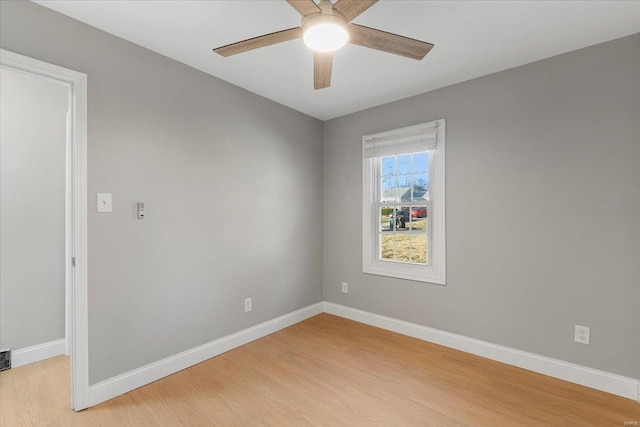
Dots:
pixel 325 371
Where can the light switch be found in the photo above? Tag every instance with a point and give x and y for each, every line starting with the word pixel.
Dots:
pixel 103 202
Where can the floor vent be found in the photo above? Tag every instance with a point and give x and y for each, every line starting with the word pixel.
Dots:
pixel 5 360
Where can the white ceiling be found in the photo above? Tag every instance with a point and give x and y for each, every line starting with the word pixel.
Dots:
pixel 472 39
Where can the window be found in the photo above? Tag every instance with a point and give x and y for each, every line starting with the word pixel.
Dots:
pixel 404 203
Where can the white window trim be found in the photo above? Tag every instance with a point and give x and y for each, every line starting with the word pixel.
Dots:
pixel 436 271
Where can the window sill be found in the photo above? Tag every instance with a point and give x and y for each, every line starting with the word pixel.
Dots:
pixel 416 273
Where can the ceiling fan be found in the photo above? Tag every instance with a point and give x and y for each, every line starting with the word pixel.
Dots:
pixel 325 28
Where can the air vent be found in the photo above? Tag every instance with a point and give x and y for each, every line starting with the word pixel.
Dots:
pixel 5 360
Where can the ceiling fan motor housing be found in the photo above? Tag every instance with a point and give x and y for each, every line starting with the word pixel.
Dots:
pixel 329 17
pixel 321 18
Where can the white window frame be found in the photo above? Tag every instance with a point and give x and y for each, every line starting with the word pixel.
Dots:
pixel 435 272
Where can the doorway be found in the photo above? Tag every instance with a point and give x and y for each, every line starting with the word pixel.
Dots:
pixel 73 87
pixel 33 118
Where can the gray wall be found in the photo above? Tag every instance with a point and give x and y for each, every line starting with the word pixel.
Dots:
pixel 232 183
pixel 543 202
pixel 32 212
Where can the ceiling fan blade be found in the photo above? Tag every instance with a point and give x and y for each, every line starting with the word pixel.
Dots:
pixel 305 7
pixel 322 63
pixel 352 8
pixel 389 42
pixel 260 41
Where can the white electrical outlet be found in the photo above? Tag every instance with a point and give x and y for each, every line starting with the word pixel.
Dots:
pixel 582 334
pixel 345 288
pixel 247 305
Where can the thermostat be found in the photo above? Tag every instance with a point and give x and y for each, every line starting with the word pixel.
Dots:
pixel 141 210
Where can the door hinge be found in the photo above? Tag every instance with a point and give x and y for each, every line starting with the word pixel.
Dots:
pixel 73 261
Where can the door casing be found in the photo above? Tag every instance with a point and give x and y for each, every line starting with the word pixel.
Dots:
pixel 76 312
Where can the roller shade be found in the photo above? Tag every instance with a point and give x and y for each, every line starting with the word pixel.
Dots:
pixel 402 143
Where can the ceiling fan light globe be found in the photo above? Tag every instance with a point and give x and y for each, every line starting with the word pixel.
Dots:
pixel 325 34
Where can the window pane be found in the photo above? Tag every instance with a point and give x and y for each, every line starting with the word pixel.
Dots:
pixel 386 219
pixel 421 163
pixel 418 218
pixel 420 177
pixel 387 247
pixel 419 248
pixel 420 187
pixel 389 182
pixel 401 217
pixel 402 247
pixel 403 173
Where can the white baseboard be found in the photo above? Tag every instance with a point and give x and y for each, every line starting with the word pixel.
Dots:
pixel 131 380
pixel 600 380
pixel 37 353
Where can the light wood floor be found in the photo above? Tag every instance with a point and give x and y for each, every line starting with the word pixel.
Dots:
pixel 324 371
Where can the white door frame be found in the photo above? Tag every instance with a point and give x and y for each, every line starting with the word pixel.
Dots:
pixel 76 208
